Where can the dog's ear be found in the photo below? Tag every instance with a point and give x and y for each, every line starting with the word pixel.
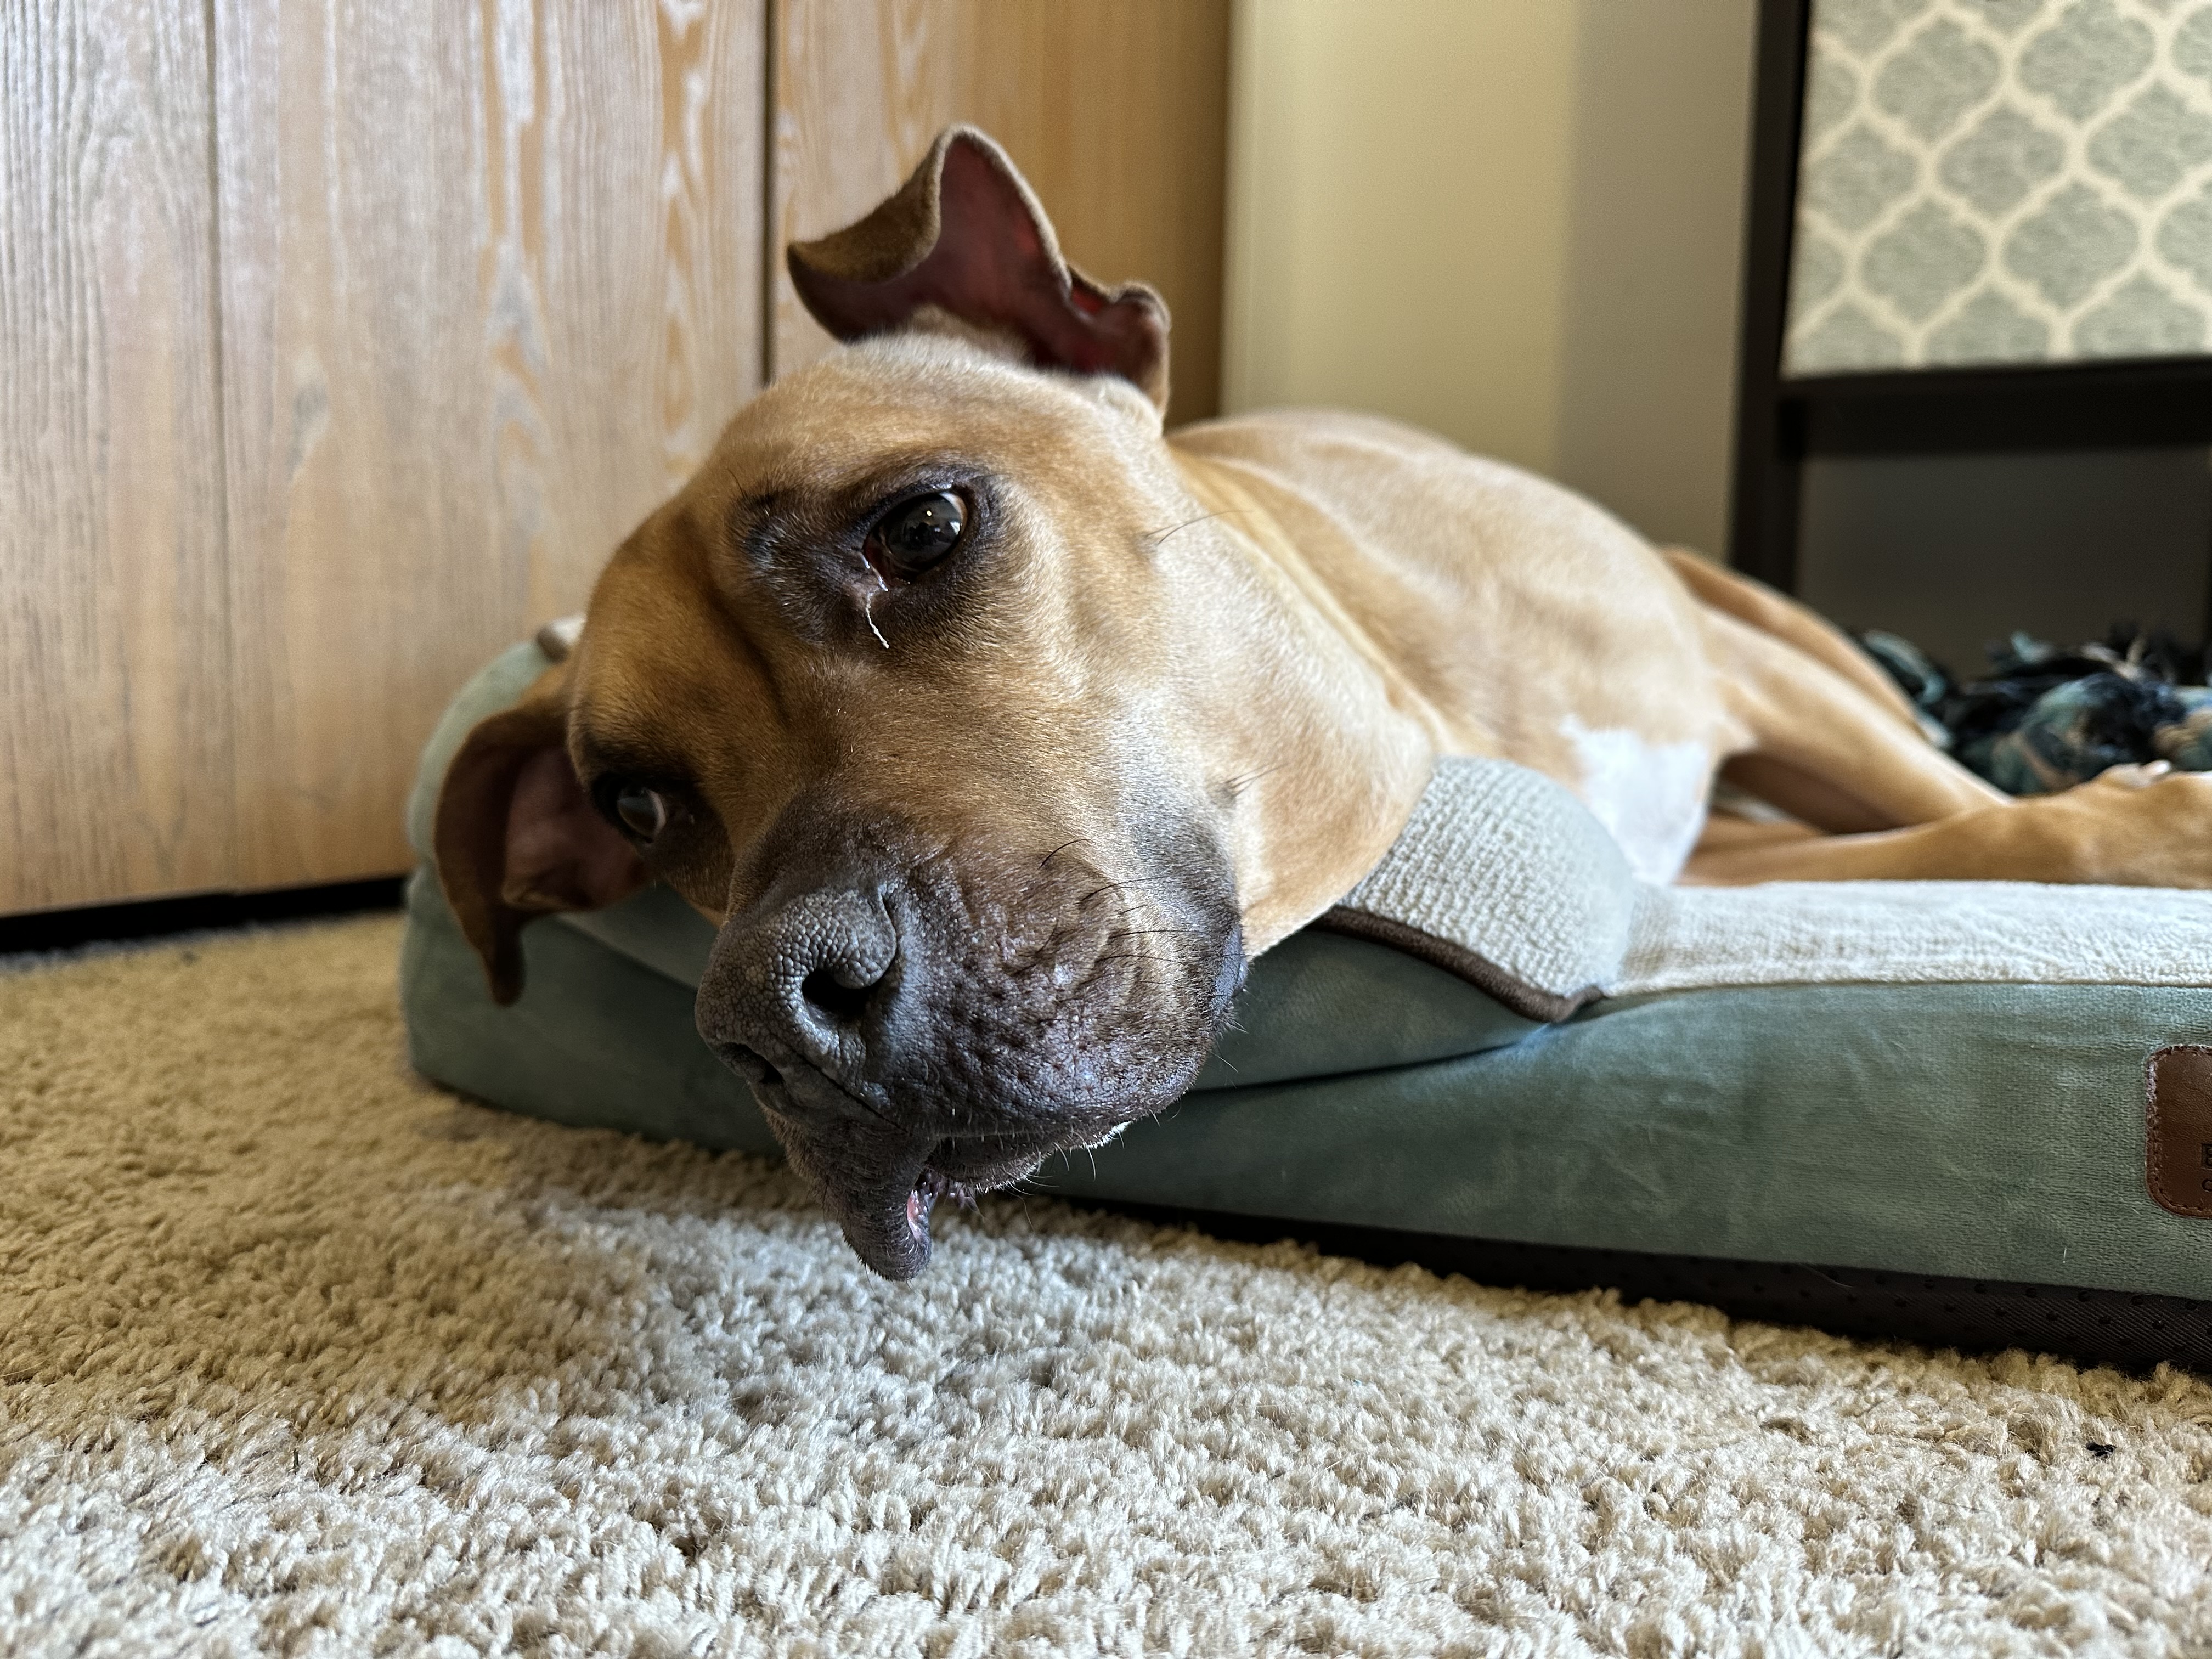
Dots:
pixel 965 234
pixel 516 837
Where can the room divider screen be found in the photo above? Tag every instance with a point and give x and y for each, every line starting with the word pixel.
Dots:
pixel 1976 226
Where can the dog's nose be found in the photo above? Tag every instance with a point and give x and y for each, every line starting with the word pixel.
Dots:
pixel 807 980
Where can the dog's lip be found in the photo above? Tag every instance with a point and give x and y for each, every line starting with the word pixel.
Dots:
pixel 887 1220
pixel 799 1091
pixel 796 1088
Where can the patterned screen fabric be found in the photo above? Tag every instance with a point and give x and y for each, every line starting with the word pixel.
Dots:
pixel 2002 181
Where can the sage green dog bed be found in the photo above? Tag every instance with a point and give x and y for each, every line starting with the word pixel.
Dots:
pixel 1972 1140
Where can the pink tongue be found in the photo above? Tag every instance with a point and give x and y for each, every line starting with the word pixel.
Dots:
pixel 913 1222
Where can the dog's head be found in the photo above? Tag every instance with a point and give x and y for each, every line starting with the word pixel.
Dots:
pixel 936 689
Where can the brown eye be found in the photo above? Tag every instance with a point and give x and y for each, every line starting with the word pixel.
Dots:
pixel 918 533
pixel 642 812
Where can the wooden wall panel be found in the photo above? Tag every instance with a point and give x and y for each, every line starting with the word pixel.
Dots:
pixel 490 286
pixel 114 693
pixel 1114 110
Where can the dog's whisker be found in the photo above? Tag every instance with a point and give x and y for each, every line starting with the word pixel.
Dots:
pixel 1079 841
pixel 1115 886
pixel 1236 785
pixel 1158 538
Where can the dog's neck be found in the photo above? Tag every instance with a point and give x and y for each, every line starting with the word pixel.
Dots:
pixel 1339 750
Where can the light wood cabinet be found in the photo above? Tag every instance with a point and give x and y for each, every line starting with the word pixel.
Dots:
pixel 490 286
pixel 115 731
pixel 339 345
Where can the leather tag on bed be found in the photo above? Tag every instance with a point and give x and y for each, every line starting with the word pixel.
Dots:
pixel 2177 1151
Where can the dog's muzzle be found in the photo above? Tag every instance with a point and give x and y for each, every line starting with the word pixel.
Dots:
pixel 912 1039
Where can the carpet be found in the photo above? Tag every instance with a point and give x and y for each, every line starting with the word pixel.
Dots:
pixel 299 1355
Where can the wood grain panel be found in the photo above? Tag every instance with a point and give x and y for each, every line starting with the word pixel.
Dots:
pixel 491 286
pixel 114 690
pixel 1114 110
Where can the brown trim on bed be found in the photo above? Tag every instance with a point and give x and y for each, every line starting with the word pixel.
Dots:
pixel 1530 1001
pixel 2178 1145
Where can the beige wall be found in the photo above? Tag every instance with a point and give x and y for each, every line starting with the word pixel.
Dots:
pixel 1515 222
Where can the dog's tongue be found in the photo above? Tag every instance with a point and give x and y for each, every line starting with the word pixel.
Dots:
pixel 887 1225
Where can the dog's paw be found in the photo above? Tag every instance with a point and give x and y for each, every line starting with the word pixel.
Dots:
pixel 2137 826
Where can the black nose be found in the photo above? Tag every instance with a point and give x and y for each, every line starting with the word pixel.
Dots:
pixel 808 977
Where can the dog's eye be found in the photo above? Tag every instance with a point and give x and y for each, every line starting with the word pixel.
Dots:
pixel 642 811
pixel 918 533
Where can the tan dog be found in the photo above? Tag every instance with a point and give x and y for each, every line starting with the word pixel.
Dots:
pixel 997 731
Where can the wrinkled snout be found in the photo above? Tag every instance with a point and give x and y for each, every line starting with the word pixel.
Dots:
pixel 916 1028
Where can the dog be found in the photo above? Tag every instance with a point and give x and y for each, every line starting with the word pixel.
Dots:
pixel 997 729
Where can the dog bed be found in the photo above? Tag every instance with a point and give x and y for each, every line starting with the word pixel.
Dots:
pixel 1919 1107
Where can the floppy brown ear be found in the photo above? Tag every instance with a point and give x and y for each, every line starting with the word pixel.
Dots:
pixel 517 838
pixel 965 234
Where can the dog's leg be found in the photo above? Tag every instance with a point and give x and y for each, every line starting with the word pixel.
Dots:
pixel 1896 808
pixel 2140 826
pixel 1776 613
pixel 1841 750
pixel 1813 742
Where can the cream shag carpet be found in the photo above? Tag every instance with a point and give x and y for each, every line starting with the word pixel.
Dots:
pixel 299 1355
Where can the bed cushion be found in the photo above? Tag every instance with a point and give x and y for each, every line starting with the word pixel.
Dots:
pixel 1942 1079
